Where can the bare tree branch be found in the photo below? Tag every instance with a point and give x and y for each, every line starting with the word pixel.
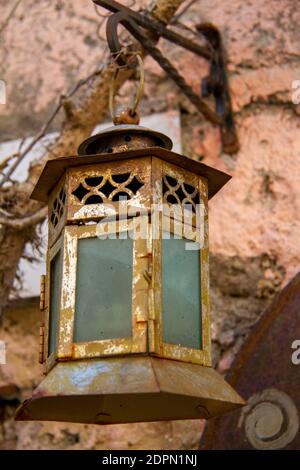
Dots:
pixel 182 11
pixel 164 10
pixel 9 16
pixel 80 121
pixel 25 222
pixel 63 102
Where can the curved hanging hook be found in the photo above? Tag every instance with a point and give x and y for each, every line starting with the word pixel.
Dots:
pixel 112 36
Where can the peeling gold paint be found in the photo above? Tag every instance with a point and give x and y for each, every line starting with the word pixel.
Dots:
pixel 147 321
pixel 107 347
pixel 139 295
pixel 162 349
pixel 141 169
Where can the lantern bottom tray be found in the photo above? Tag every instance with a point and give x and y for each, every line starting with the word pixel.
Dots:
pixel 129 389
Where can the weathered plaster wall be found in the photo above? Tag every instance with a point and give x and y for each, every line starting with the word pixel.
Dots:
pixel 22 373
pixel 254 221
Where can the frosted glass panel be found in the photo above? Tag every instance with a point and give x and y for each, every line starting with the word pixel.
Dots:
pixel 181 294
pixel 103 289
pixel 55 278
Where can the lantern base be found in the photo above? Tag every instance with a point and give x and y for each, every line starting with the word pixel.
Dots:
pixel 129 389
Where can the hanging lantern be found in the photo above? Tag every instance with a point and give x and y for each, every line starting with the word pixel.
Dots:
pixel 125 335
pixel 126 330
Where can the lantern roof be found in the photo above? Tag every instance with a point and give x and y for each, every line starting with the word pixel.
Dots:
pixel 124 142
pixel 137 135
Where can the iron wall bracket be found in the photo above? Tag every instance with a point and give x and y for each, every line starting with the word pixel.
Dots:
pixel 215 84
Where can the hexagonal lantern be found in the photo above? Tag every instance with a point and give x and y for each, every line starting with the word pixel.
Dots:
pixel 126 331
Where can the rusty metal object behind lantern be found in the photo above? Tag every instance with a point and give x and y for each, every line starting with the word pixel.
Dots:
pixel 125 335
pixel 265 374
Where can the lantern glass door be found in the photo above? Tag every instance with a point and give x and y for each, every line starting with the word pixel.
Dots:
pixel 103 289
pixel 181 292
pixel 182 326
pixel 103 311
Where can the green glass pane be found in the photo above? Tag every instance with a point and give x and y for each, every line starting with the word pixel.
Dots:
pixel 103 289
pixel 55 279
pixel 181 293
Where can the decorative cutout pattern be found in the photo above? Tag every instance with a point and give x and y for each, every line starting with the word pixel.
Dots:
pixel 178 192
pixel 95 189
pixel 58 207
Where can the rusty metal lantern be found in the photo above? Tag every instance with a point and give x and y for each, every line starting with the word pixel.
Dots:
pixel 126 330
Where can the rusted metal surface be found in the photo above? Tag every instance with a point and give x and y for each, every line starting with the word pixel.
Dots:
pixel 146 290
pixel 150 173
pixel 155 27
pixel 55 169
pixel 122 390
pixel 166 65
pixel 136 199
pixel 266 377
pixel 129 115
pixel 216 84
pixel 123 138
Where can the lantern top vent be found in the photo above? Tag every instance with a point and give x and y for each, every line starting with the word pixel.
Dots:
pixel 122 138
pixel 124 142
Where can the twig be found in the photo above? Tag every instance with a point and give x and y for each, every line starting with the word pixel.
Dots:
pixel 22 142
pixel 25 222
pixel 5 213
pixel 10 15
pixel 7 160
pixel 183 11
pixel 41 134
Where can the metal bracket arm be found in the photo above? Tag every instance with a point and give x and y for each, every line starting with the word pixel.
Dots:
pixel 215 84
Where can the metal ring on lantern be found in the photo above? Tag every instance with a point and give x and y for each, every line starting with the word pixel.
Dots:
pixel 131 113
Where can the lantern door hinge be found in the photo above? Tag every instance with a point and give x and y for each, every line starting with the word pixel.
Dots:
pixel 42 292
pixel 151 303
pixel 42 324
pixel 147 314
pixel 41 345
pixel 151 321
pixel 148 275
